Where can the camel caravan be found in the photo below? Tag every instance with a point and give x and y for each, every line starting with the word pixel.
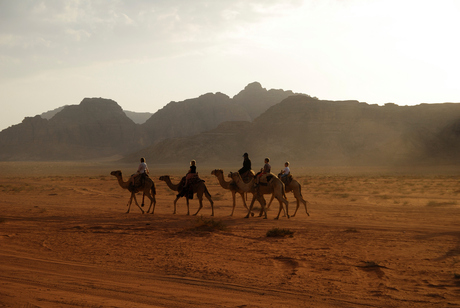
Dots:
pixel 242 182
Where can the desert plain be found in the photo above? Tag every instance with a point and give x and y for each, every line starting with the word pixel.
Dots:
pixel 374 238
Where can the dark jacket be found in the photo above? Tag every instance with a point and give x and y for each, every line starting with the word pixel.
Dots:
pixel 246 166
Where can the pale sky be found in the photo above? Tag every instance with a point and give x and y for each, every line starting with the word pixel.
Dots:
pixel 144 54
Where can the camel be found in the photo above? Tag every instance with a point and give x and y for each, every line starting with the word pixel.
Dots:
pixel 198 188
pixel 274 187
pixel 148 188
pixel 296 189
pixel 219 173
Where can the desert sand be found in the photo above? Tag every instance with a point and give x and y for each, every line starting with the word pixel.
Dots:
pixel 371 240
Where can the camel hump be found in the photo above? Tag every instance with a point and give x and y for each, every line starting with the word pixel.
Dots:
pixel 248 176
pixel 266 178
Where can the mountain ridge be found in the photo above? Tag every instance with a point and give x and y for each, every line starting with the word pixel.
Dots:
pixel 216 128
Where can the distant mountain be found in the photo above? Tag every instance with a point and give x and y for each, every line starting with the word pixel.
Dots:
pixel 316 132
pixel 215 128
pixel 136 117
pixel 255 100
pixel 95 128
pixel 99 127
pixel 193 116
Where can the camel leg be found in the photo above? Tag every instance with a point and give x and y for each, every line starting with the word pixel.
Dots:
pixel 279 212
pixel 263 205
pixel 281 201
pixel 143 197
pixel 153 202
pixel 208 196
pixel 298 205
pixel 250 206
pixel 129 202
pixel 305 203
pixel 244 201
pixel 188 206
pixel 234 201
pixel 135 200
pixel 300 199
pixel 270 203
pixel 175 201
pixel 200 199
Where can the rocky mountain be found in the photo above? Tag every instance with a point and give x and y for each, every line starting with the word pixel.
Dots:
pixel 216 128
pixel 255 100
pixel 193 116
pixel 98 127
pixel 316 132
pixel 136 117
pixel 95 128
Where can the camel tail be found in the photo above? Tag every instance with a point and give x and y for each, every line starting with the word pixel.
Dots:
pixel 153 190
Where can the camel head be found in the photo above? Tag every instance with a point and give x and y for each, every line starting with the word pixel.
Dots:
pixel 164 177
pixel 116 173
pixel 217 172
pixel 234 176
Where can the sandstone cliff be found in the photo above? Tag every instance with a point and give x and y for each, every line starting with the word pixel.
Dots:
pixel 315 132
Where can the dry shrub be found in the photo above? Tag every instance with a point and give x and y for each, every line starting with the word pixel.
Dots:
pixel 277 232
pixel 209 225
pixel 435 203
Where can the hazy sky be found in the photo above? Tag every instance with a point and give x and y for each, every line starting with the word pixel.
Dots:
pixel 145 53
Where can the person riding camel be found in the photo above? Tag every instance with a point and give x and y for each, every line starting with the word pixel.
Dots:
pixel 142 169
pixel 263 171
pixel 286 171
pixel 246 166
pixel 190 174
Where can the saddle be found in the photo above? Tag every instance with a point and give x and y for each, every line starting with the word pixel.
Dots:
pixel 247 176
pixel 139 181
pixel 286 179
pixel 264 179
pixel 188 190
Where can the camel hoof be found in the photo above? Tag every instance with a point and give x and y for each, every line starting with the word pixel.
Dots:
pixel 247 216
pixel 252 215
pixel 142 205
pixel 308 214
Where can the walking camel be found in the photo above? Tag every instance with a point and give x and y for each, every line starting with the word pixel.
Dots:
pixel 294 187
pixel 274 187
pixel 219 173
pixel 199 188
pixel 148 188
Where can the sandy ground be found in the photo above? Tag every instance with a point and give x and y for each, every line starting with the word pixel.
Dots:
pixel 370 241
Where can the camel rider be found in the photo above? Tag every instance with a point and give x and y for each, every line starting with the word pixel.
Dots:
pixel 190 174
pixel 286 171
pixel 140 170
pixel 246 165
pixel 265 170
